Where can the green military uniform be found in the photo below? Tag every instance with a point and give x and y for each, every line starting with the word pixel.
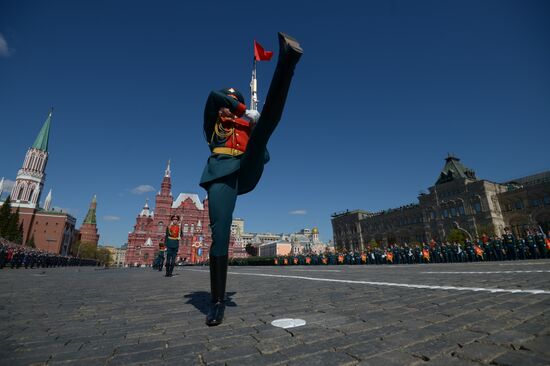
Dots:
pixel 172 242
pixel 160 257
pixel 236 163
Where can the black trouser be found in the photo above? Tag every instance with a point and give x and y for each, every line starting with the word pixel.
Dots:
pixel 171 254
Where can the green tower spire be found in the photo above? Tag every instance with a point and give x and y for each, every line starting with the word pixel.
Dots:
pixel 90 216
pixel 41 142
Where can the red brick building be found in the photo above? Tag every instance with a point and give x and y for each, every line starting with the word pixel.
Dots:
pixel 52 230
pixel 88 229
pixel 150 228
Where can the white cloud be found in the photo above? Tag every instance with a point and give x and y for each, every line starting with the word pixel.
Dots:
pixel 298 212
pixel 111 218
pixel 141 189
pixel 4 49
pixel 8 185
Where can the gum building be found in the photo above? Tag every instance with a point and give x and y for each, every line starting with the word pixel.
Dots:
pixel 458 199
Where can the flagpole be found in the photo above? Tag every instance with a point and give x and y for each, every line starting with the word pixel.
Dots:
pixel 254 88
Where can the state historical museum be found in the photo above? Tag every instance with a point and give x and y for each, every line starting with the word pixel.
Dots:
pixel 150 228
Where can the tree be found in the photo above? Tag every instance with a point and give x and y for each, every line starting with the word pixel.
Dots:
pixel 251 249
pixel 87 250
pixel 457 236
pixel 30 242
pixel 74 250
pixel 19 238
pixel 373 244
pixel 12 229
pixel 5 213
pixel 103 255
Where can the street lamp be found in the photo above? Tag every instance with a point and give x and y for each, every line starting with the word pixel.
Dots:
pixel 462 229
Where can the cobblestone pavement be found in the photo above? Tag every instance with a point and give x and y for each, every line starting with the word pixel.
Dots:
pixel 436 314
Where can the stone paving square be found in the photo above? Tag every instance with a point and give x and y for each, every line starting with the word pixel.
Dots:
pixel 493 313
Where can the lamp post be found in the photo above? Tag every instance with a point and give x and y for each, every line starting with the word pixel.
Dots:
pixel 462 229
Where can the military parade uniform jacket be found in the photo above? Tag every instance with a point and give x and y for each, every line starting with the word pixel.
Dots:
pixel 226 137
pixel 172 240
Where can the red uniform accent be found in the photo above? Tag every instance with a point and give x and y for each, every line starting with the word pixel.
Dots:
pixel 174 231
pixel 240 136
pixel 239 111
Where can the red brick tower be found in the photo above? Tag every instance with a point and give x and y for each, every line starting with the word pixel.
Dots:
pixel 150 228
pixel 88 230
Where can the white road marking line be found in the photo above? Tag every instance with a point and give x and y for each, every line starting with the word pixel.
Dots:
pixel 391 284
pixel 316 270
pixel 488 272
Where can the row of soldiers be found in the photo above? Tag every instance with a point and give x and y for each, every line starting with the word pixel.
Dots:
pixel 16 256
pixel 535 245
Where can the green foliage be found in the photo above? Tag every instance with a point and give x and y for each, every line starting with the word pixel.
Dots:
pixel 104 256
pixel 12 228
pixel 457 236
pixel 30 242
pixel 88 250
pixel 251 250
pixel 5 213
pixel 19 238
pixel 373 244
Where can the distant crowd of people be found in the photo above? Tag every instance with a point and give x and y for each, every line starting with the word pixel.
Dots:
pixel 535 245
pixel 16 256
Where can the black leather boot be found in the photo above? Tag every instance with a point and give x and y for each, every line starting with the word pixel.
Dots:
pixel 254 157
pixel 167 266
pixel 218 278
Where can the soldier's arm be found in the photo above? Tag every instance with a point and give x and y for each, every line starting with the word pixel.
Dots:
pixel 216 101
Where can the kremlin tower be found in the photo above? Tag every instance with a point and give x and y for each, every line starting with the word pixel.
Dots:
pixel 30 178
pixel 52 230
pixel 88 230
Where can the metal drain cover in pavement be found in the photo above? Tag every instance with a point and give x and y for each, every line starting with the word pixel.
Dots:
pixel 288 323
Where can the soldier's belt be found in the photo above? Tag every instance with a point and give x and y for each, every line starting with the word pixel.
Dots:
pixel 227 151
pixel 169 237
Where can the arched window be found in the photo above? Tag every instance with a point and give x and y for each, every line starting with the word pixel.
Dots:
pixel 31 162
pixel 21 190
pixel 161 227
pixel 31 193
pixel 185 228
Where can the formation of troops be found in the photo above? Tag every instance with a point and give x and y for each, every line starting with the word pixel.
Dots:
pixel 17 256
pixel 535 245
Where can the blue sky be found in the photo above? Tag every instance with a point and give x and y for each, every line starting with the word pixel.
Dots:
pixel 384 91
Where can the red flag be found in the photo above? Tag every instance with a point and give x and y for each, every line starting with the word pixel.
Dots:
pixel 260 54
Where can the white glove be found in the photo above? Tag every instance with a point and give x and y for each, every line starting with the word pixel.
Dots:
pixel 251 115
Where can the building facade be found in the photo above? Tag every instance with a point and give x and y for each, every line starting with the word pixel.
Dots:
pixel 51 230
pixel 275 248
pixel 458 200
pixel 150 228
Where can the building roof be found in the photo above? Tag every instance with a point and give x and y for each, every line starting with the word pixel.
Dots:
pixel 454 169
pixel 90 216
pixel 145 211
pixel 183 196
pixel 41 142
